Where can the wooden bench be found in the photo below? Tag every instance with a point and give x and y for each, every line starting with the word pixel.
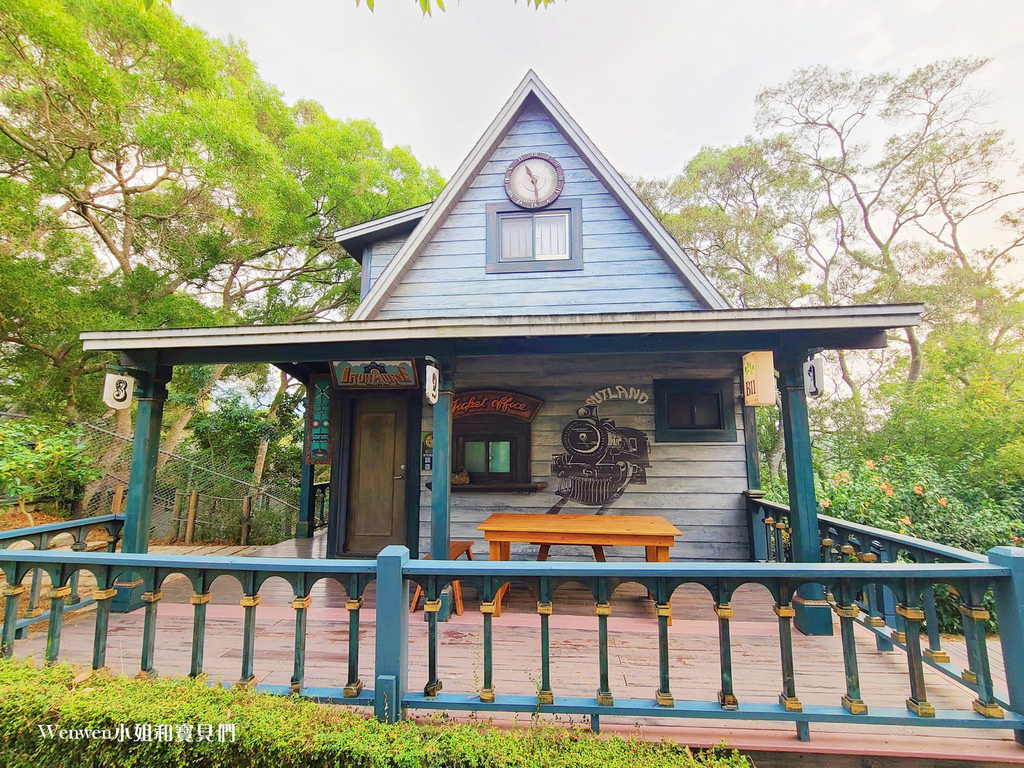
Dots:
pixel 456 549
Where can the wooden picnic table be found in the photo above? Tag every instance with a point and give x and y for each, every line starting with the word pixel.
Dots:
pixel 654 533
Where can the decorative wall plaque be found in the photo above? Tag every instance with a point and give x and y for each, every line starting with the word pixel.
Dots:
pixel 374 374
pixel 318 428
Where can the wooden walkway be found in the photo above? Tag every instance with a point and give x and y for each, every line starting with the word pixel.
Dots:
pixel 574 663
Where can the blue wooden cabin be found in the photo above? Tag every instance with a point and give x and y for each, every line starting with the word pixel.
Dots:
pixel 585 363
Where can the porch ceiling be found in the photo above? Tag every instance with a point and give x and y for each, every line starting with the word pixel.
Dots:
pixel 739 330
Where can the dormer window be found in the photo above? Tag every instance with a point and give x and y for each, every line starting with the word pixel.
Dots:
pixel 534 241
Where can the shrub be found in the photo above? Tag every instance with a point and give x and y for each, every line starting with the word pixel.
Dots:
pixel 41 462
pixel 279 732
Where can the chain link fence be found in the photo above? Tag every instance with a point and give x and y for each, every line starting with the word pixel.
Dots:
pixel 196 500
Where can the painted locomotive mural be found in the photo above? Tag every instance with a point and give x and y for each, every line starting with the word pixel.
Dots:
pixel 600 461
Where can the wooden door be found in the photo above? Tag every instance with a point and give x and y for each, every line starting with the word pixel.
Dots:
pixel 376 488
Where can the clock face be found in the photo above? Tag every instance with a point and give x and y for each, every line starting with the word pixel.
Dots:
pixel 534 180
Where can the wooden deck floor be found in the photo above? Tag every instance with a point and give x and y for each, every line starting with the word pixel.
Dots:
pixel 632 647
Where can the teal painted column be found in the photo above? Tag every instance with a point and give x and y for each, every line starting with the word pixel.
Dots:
pixel 307 503
pixel 1009 594
pixel 150 393
pixel 441 485
pixel 441 474
pixel 813 614
pixel 391 662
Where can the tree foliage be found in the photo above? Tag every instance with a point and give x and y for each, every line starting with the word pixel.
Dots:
pixel 149 178
pixel 880 188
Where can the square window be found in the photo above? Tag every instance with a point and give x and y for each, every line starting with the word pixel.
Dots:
pixel 694 410
pixel 491 448
pixel 540 241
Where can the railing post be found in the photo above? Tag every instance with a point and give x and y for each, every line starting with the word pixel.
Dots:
pixel 755 522
pixel 392 641
pixel 190 523
pixel 1009 594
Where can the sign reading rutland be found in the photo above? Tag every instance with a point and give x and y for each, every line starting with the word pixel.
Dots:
pixel 374 374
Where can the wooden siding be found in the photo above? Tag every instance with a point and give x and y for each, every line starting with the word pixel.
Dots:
pixel 622 272
pixel 696 486
pixel 379 256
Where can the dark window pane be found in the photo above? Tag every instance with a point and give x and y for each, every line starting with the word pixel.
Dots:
pixel 500 457
pixel 693 412
pixel 705 412
pixel 476 460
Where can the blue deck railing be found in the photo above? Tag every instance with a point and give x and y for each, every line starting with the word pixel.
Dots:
pixel 42 537
pixel 393 572
pixel 843 541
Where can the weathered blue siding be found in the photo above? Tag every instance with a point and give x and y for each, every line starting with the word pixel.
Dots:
pixel 376 257
pixel 698 487
pixel 622 271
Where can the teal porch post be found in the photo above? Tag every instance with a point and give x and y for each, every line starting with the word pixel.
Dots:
pixel 441 483
pixel 391 662
pixel 307 503
pixel 813 615
pixel 150 392
pixel 1009 594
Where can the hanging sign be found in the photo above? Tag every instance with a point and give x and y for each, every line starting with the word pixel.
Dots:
pixel 432 385
pixel 759 378
pixel 118 390
pixel 493 402
pixel 318 411
pixel 374 374
pixel 814 377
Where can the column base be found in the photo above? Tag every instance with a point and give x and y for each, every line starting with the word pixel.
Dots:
pixel 790 703
pixel 664 699
pixel 813 616
pixel 605 699
pixel 432 689
pixel 246 682
pixel 939 657
pixel 487 695
pixel 545 697
pixel 854 706
pixel 727 701
pixel 920 708
pixel 352 690
pixel 303 530
pixel 987 710
pixel 128 597
pixel 146 674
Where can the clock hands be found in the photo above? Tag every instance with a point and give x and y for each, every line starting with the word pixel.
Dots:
pixel 533 180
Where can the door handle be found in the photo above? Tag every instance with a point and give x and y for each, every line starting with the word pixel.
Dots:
pixel 401 476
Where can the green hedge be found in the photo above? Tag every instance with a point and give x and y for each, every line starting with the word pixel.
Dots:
pixel 277 732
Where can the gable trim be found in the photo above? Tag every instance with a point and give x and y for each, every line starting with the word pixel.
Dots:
pixel 531 85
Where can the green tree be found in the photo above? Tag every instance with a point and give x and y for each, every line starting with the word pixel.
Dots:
pixel 149 177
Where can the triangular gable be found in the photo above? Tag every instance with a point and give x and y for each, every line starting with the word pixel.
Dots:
pixel 533 94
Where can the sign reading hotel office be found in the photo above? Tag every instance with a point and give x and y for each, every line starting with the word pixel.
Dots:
pixel 759 378
pixel 495 402
pixel 374 374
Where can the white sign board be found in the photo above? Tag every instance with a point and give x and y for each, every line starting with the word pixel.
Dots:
pixel 432 384
pixel 814 377
pixel 759 378
pixel 118 390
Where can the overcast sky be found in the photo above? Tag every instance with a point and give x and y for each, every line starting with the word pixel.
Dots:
pixel 651 81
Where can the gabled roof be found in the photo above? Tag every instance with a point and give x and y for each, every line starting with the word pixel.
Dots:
pixel 352 239
pixel 531 88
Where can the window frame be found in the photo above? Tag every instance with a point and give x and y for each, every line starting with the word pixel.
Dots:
pixel 493 429
pixel 723 388
pixel 573 206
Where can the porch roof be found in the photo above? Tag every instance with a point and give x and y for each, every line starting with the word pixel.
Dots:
pixel 850 327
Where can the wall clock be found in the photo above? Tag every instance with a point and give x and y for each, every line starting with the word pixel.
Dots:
pixel 534 180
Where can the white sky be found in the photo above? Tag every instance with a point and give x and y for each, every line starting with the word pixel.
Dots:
pixel 651 81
